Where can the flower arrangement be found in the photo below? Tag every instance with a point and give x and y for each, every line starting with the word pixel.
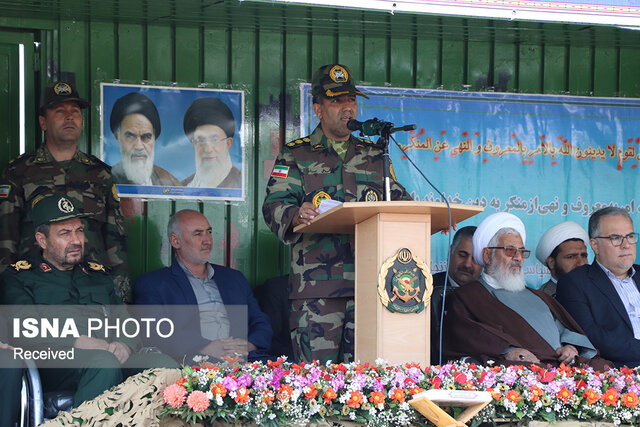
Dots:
pixel 283 393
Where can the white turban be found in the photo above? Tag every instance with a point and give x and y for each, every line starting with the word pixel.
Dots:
pixel 489 227
pixel 557 234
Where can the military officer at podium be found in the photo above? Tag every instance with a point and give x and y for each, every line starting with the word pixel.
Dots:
pixel 333 164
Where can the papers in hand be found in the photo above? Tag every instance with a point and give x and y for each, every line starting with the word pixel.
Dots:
pixel 328 204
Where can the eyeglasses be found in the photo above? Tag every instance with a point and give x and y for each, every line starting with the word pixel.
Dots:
pixel 510 251
pixel 616 239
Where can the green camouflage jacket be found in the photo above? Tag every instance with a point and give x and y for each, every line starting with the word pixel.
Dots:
pixel 309 170
pixel 84 292
pixel 84 178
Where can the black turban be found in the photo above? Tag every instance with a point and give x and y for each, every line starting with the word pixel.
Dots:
pixel 135 103
pixel 209 111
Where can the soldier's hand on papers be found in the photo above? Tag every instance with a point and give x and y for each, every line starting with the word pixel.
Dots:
pixel 305 214
pixel 521 355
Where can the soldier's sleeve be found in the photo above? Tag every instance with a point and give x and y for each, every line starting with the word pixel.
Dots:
pixel 285 194
pixel 115 242
pixel 11 212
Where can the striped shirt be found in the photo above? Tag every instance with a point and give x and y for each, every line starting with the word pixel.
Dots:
pixel 630 296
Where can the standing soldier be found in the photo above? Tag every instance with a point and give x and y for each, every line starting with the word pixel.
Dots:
pixel 57 166
pixel 328 164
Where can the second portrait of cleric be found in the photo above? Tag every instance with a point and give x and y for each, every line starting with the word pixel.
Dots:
pixel 173 142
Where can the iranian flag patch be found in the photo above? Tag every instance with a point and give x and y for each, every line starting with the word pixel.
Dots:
pixel 4 191
pixel 280 171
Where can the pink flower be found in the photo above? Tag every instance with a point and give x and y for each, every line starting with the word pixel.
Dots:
pixel 198 401
pixel 174 395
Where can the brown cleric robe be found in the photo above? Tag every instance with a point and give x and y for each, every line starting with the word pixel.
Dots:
pixel 480 326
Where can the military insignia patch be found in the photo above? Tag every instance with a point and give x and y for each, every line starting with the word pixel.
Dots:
pixel 280 171
pixel 4 191
pixel 65 206
pixel 96 267
pixel 62 89
pixel 21 265
pixel 45 267
pixel 371 196
pixel 114 193
pixel 405 283
pixel 319 197
pixel 338 74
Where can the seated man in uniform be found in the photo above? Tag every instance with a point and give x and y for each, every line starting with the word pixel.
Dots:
pixel 498 318
pixel 562 248
pixel 198 296
pixel 61 279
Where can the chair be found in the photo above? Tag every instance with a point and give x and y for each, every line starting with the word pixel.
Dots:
pixel 38 406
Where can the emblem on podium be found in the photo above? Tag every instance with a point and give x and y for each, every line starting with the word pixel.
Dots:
pixel 405 283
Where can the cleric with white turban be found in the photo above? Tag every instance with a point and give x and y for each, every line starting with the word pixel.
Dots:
pixel 489 227
pixel 562 248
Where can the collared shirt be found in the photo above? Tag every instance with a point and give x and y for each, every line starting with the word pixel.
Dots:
pixel 630 296
pixel 214 321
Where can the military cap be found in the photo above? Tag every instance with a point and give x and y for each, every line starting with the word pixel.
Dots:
pixel 135 103
pixel 333 80
pixel 209 111
pixel 58 92
pixel 54 208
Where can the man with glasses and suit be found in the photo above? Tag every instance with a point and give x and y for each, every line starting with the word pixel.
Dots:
pixel 603 297
pixel 499 318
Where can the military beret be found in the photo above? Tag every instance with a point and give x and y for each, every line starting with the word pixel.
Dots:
pixel 58 92
pixel 135 103
pixel 209 111
pixel 333 80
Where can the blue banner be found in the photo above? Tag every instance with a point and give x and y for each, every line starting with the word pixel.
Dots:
pixel 546 159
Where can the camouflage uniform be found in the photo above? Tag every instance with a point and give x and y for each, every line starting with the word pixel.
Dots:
pixel 84 178
pixel 322 265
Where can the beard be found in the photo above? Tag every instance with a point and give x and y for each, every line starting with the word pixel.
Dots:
pixel 137 171
pixel 211 174
pixel 506 278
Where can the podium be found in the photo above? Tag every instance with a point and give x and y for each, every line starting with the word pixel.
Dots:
pixel 381 230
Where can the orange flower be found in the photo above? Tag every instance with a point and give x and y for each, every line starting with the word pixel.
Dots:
pixel 564 369
pixel 242 395
pixel 564 394
pixel 218 389
pixel 329 395
pixel 535 393
pixel 284 393
pixel 397 395
pixel 376 397
pixel 268 397
pixel 181 381
pixel 495 394
pixel 311 393
pixel 630 400
pixel 355 400
pixel 591 396
pixel 514 396
pixel 415 390
pixel 610 397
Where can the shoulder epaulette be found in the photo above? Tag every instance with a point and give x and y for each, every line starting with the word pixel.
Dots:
pixel 94 266
pixel 298 142
pixel 361 142
pixel 22 265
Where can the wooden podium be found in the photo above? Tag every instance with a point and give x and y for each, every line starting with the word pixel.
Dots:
pixel 381 229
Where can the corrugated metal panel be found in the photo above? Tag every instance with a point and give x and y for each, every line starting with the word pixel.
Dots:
pixel 268 51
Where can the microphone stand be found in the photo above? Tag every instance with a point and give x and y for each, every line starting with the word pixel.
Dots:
pixel 385 132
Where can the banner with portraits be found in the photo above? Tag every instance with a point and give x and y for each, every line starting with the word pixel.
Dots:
pixel 544 158
pixel 175 143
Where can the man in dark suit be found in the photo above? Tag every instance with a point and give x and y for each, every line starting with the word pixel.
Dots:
pixel 603 297
pixel 198 297
pixel 462 270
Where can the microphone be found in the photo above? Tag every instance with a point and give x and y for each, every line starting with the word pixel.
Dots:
pixel 375 127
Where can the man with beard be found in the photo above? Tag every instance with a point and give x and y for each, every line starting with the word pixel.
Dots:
pixel 135 123
pixel 61 283
pixel 498 318
pixel 330 163
pixel 462 270
pixel 208 326
pixel 562 248
pixel 58 166
pixel 210 126
pixel 603 296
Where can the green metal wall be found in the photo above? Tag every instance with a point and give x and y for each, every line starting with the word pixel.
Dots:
pixel 269 62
